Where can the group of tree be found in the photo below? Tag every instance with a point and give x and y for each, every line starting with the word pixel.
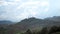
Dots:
pixel 46 30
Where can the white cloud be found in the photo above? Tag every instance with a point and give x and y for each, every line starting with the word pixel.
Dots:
pixel 32 7
pixel 44 3
pixel 28 3
pixel 46 9
pixel 23 9
pixel 14 2
pixel 3 3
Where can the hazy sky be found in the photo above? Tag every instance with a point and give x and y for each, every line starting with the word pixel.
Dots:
pixel 17 10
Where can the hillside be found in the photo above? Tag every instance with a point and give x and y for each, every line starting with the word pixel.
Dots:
pixel 34 23
pixel 54 18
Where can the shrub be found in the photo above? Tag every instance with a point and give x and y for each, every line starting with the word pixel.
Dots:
pixel 28 32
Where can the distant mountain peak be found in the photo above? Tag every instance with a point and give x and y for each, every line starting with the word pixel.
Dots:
pixel 54 18
pixel 5 22
pixel 30 19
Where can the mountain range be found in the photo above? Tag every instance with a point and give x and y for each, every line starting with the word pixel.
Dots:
pixel 54 18
pixel 35 23
pixel 6 22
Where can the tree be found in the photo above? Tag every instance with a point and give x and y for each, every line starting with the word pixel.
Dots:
pixel 2 30
pixel 44 30
pixel 28 32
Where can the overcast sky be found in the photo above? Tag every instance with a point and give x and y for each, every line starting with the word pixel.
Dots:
pixel 17 10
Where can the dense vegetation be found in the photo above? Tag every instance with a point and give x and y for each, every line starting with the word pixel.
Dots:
pixel 45 30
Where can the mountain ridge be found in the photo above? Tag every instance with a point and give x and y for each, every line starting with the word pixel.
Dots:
pixel 5 22
pixel 32 23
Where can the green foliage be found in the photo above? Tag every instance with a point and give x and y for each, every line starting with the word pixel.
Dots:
pixel 54 29
pixel 45 30
pixel 28 32
pixel 3 30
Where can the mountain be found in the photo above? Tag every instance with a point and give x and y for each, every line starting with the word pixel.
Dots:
pixel 6 22
pixel 54 18
pixel 33 23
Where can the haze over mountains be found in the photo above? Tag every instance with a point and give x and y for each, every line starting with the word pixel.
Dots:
pixel 30 23
pixel 6 22
pixel 18 16
pixel 55 18
pixel 34 23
